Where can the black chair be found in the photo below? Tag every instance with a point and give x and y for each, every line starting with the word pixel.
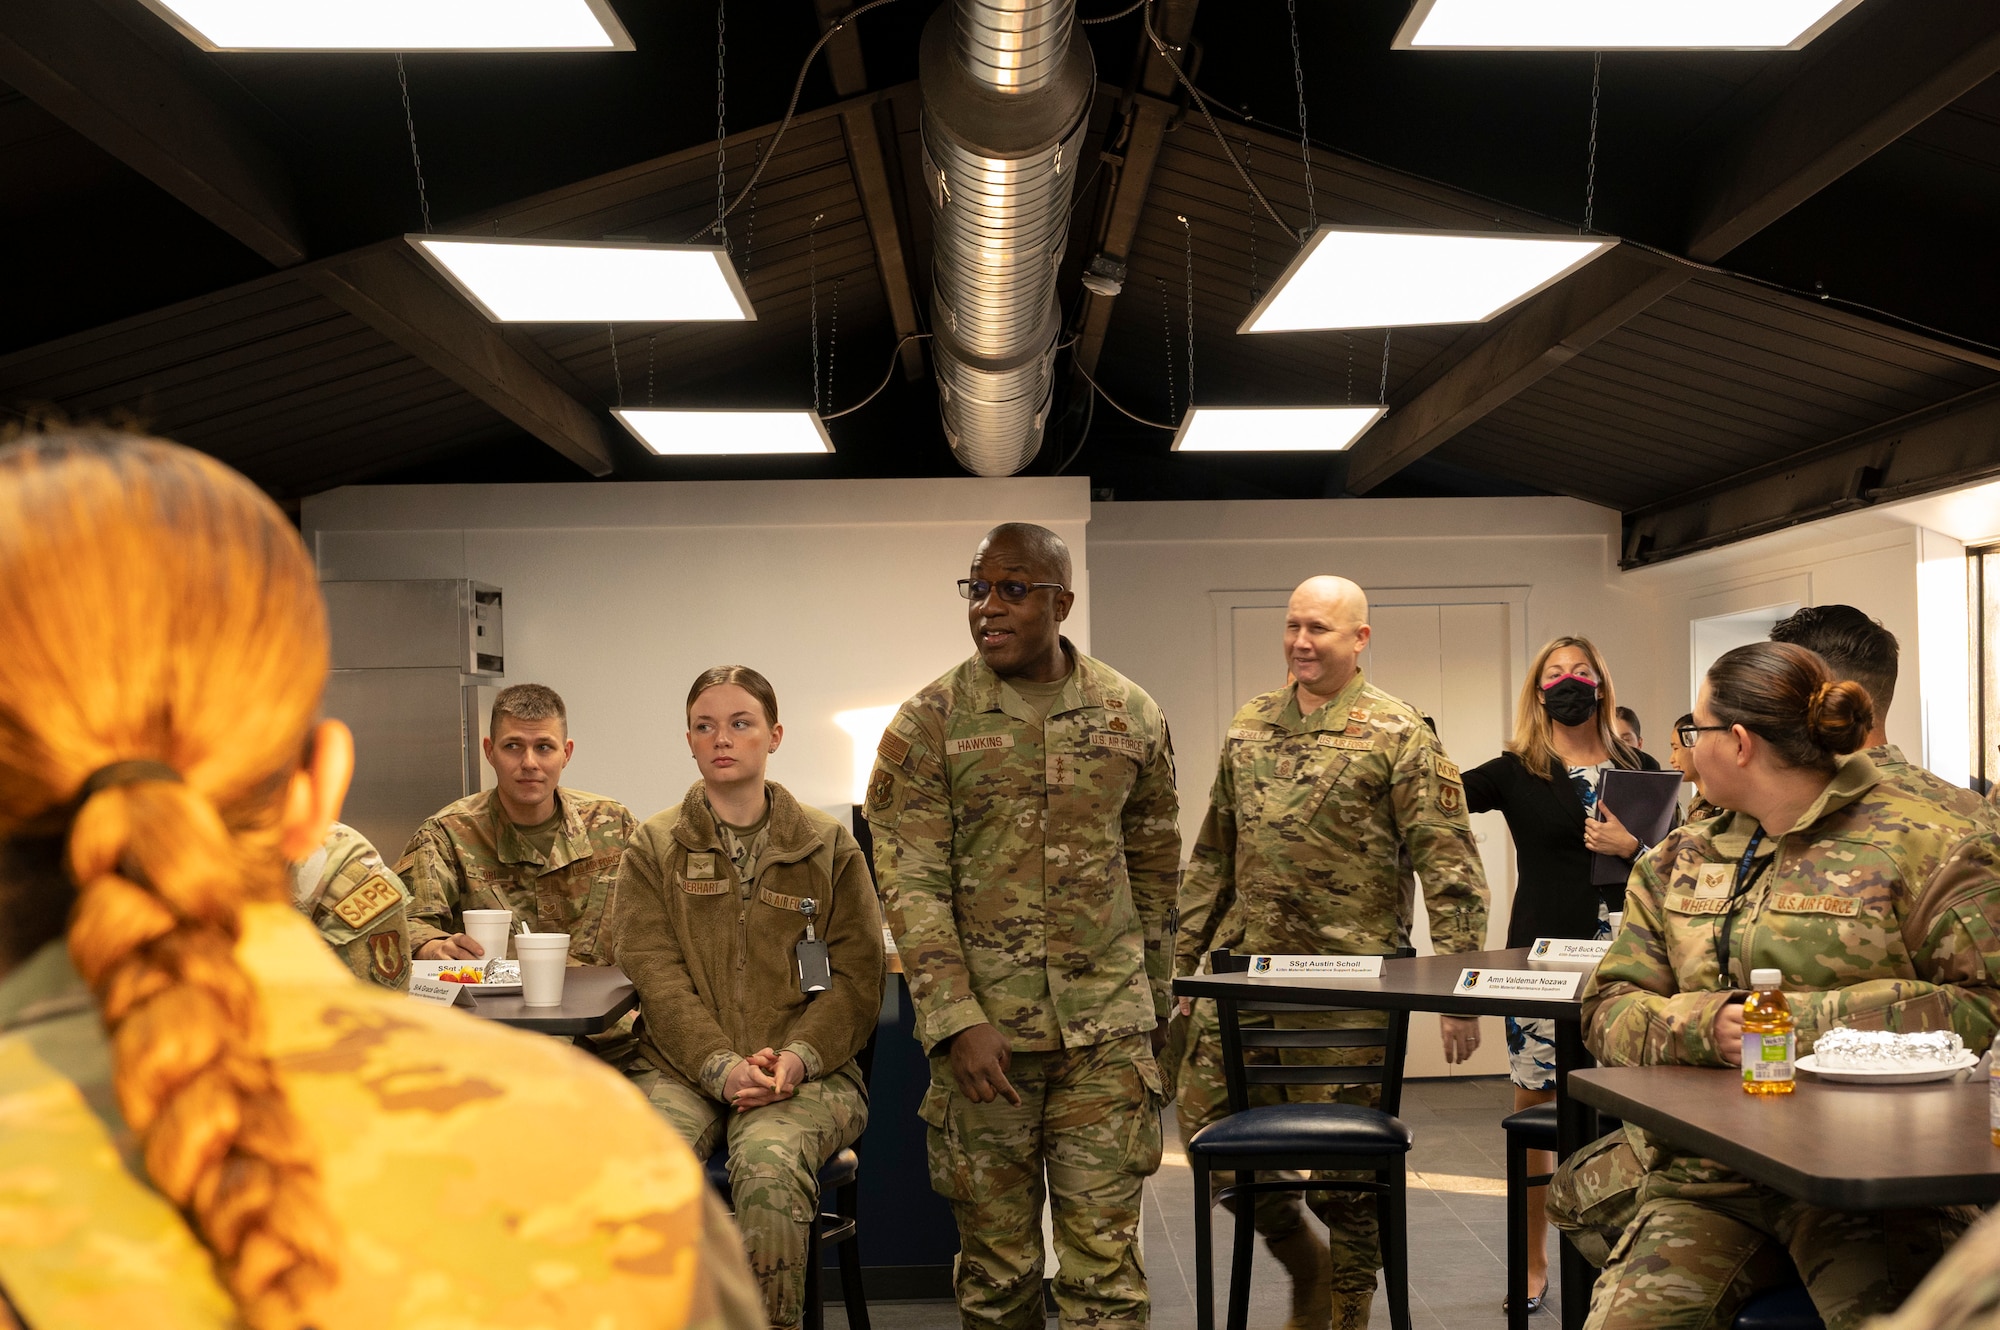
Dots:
pixel 840 1178
pixel 1302 1137
pixel 1787 1308
pixel 1530 1129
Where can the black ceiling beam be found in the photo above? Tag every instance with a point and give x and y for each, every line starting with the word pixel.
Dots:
pixel 1132 156
pixel 1529 342
pixel 1901 66
pixel 86 68
pixel 876 180
pixel 1955 443
pixel 395 292
pixel 1883 80
pixel 843 54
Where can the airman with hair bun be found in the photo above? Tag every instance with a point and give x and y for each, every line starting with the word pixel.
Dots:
pixel 1850 886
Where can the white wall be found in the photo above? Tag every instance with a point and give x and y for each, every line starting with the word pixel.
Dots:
pixel 1159 569
pixel 617 596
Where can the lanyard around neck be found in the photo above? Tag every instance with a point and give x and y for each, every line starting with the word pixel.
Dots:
pixel 1747 872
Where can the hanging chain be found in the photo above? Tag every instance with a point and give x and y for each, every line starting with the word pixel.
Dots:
pixel 1348 338
pixel 1187 231
pixel 812 253
pixel 650 339
pixel 1299 86
pixel 1167 329
pixel 750 233
pixel 721 121
pixel 410 124
pixel 1382 393
pixel 1590 171
pixel 617 376
pixel 1250 205
pixel 833 342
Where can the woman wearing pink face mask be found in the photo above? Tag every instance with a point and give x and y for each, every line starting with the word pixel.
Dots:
pixel 1545 784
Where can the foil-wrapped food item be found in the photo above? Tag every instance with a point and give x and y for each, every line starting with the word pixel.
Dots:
pixel 1883 1050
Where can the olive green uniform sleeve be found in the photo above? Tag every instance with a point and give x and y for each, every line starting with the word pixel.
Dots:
pixel 1428 801
pixel 910 814
pixel 1208 888
pixel 648 941
pixel 1151 825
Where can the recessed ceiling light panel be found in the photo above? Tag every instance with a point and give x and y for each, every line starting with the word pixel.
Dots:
pixel 1617 25
pixel 587 281
pixel 672 433
pixel 1350 277
pixel 1274 429
pixel 396 25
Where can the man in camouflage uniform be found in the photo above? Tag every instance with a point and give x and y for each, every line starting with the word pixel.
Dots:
pixel 358 905
pixel 1328 791
pixel 548 854
pixel 1027 852
pixel 1877 923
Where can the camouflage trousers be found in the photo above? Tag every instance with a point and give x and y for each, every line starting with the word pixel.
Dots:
pixel 775 1154
pixel 1687 1243
pixel 1349 1217
pixel 1088 1122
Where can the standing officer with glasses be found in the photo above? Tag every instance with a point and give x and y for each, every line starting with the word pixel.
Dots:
pixel 1028 854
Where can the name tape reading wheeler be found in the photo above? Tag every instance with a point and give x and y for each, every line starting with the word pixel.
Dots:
pixel 1568 949
pixel 1518 983
pixel 1317 967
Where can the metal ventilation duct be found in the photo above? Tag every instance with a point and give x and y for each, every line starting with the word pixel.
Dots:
pixel 1006 87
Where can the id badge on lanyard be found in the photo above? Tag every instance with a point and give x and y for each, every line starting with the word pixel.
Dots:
pixel 815 966
pixel 1746 878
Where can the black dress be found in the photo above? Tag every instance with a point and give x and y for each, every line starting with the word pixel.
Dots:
pixel 1553 896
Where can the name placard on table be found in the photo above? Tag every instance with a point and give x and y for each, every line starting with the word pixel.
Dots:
pixel 1316 967
pixel 1568 949
pixel 1518 983
pixel 439 991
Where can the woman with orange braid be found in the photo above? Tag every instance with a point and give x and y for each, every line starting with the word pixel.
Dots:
pixel 204 1119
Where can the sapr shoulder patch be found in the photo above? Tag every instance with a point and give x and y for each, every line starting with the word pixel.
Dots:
pixel 893 748
pixel 978 743
pixel 367 903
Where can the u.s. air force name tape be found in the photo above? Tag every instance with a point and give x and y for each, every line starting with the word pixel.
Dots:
pixel 1517 983
pixel 1316 967
pixel 1568 949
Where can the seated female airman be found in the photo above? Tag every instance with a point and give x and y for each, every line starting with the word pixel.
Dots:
pixel 749 925
pixel 1878 915
pixel 209 1121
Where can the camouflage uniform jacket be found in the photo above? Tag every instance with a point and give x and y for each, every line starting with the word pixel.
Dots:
pixel 470 856
pixel 359 906
pixel 1907 776
pixel 1306 824
pixel 1872 915
pixel 1962 1292
pixel 404 1103
pixel 717 969
pixel 1028 871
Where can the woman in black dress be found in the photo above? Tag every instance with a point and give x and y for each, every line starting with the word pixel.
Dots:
pixel 1546 785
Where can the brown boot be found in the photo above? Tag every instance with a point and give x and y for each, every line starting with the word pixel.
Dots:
pixel 1310 1265
pixel 1350 1310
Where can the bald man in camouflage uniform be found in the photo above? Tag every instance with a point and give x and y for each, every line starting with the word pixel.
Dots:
pixel 1881 914
pixel 359 906
pixel 1323 788
pixel 1027 851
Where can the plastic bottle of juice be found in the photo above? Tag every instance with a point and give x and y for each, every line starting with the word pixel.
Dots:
pixel 1768 1037
pixel 1993 1090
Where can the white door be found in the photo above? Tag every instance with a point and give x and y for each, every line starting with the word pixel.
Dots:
pixel 1451 662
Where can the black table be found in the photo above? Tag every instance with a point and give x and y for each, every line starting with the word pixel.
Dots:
pixel 1429 983
pixel 1844 1147
pixel 595 998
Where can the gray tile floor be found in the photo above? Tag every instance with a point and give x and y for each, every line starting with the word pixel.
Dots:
pixel 1458 1229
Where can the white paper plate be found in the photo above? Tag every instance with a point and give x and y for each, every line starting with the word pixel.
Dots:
pixel 1853 1076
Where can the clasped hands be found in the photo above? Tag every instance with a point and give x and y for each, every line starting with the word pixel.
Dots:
pixel 763 1078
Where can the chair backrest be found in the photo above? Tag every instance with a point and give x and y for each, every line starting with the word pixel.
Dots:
pixel 1239 1073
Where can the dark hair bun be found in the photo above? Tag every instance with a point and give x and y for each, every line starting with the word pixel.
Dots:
pixel 1839 716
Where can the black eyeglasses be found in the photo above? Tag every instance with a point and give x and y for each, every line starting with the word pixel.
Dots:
pixel 977 588
pixel 1686 733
